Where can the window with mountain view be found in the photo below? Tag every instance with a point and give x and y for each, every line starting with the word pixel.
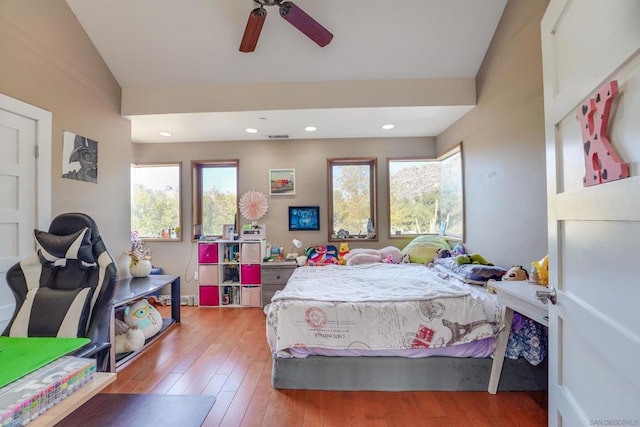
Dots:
pixel 155 201
pixel 426 195
pixel 352 199
pixel 215 196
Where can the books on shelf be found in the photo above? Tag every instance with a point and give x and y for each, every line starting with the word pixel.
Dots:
pixel 23 400
pixel 231 295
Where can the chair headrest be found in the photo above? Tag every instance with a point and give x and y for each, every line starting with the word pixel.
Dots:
pixel 71 222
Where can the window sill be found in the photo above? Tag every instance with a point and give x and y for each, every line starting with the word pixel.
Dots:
pixel 353 239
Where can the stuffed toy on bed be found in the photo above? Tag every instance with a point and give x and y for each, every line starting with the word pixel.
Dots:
pixel 342 252
pixel 388 254
pixel 322 255
pixel 517 272
pixel 471 259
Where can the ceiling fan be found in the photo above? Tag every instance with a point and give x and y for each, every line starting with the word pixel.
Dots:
pixel 292 14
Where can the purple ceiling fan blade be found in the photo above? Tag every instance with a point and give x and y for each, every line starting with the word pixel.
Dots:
pixel 306 24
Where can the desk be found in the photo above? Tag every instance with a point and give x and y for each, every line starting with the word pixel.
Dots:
pixel 520 297
pixel 131 289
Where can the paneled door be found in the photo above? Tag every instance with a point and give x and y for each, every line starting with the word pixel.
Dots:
pixel 25 186
pixel 588 47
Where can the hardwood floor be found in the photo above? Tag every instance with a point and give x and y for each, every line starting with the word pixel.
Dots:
pixel 223 352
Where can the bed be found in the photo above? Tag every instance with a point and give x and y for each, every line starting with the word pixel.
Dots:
pixel 388 327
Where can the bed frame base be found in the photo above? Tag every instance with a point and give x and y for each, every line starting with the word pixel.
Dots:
pixel 404 374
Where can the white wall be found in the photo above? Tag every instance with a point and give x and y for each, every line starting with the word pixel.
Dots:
pixel 51 63
pixel 503 136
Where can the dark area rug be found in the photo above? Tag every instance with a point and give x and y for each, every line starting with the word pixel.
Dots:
pixel 156 410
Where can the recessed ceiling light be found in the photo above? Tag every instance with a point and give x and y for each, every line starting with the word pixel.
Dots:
pixel 165 133
pixel 387 127
pixel 251 130
pixel 311 128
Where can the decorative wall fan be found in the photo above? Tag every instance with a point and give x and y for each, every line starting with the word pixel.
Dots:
pixel 292 14
pixel 253 205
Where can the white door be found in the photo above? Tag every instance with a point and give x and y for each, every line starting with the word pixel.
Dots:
pixel 25 140
pixel 594 230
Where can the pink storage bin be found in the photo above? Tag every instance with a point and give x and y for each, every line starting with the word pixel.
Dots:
pixel 209 296
pixel 250 274
pixel 251 296
pixel 207 253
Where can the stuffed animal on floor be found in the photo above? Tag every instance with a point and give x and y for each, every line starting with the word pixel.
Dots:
pixel 388 254
pixel 144 316
pixel 517 272
pixel 127 338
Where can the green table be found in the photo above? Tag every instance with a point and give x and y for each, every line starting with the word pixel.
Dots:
pixel 21 356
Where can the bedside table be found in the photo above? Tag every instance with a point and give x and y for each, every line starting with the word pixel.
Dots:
pixel 520 297
pixel 274 277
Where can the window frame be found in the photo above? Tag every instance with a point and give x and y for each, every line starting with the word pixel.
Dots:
pixel 197 166
pixel 372 162
pixel 447 154
pixel 179 235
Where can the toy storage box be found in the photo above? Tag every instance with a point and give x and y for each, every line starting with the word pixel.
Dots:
pixel 250 274
pixel 209 296
pixel 251 296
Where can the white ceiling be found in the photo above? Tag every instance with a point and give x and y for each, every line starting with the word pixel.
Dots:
pixel 194 43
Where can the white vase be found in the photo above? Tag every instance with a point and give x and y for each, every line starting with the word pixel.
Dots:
pixel 141 269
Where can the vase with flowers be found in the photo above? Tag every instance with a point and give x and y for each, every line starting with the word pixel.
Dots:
pixel 140 264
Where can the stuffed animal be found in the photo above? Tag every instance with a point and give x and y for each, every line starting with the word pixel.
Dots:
pixel 471 259
pixel 127 338
pixel 542 267
pixel 144 316
pixel 443 253
pixel 517 272
pixel 342 251
pixel 322 255
pixel 132 340
pixel 458 249
pixel 389 254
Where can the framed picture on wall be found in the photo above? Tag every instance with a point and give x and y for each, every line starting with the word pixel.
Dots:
pixel 304 218
pixel 282 182
pixel 79 158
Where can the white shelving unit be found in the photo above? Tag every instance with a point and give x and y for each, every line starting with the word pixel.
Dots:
pixel 229 273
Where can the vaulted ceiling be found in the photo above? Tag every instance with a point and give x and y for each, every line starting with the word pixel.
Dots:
pixel 411 63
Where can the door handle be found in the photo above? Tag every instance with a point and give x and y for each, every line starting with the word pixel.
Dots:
pixel 549 295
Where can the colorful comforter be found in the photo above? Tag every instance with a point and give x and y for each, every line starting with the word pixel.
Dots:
pixel 378 308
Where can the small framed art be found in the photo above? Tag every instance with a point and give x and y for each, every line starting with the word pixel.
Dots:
pixel 282 182
pixel 304 218
pixel 227 231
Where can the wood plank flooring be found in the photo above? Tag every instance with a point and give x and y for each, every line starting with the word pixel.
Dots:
pixel 223 352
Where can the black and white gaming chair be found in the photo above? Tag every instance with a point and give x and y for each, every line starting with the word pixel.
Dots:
pixel 65 289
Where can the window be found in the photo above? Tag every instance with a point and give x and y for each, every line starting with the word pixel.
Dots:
pixel 215 196
pixel 155 201
pixel 352 199
pixel 426 195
